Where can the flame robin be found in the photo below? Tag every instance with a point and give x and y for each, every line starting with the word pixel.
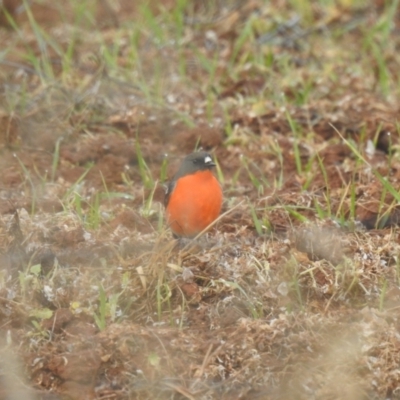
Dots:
pixel 193 198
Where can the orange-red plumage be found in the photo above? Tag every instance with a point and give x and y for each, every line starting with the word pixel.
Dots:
pixel 194 196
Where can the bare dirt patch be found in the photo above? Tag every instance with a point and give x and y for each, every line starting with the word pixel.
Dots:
pixel 294 294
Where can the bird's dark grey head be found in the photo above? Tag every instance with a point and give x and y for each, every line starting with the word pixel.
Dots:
pixel 194 162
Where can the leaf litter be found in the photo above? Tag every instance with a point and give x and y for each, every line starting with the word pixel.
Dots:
pixel 294 294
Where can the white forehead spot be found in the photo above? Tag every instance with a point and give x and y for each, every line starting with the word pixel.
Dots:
pixel 207 160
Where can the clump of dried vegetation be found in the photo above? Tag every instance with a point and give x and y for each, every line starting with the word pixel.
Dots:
pixel 294 294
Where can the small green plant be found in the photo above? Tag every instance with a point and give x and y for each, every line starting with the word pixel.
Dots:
pixel 246 35
pixel 257 222
pixel 327 186
pixel 152 22
pixel 56 159
pixel 377 42
pixel 32 185
pixel 147 209
pixel 93 216
pixel 303 92
pixel 163 170
pixel 76 186
pixel 220 173
pixel 87 209
pixel 28 280
pixel 296 149
pixel 144 170
pixel 308 173
pixel 154 360
pixel 276 150
pixel 43 63
pixel 258 183
pixel 305 9
pixel 293 211
pixel 100 317
pixel 388 187
pixel 322 212
pixel 109 304
pixel 353 198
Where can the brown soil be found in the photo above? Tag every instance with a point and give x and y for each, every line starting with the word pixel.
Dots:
pixel 306 309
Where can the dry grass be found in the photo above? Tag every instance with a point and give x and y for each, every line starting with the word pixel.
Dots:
pixel 293 294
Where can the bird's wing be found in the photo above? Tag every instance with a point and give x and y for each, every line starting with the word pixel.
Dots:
pixel 169 188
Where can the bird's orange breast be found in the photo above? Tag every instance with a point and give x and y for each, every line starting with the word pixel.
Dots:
pixel 195 203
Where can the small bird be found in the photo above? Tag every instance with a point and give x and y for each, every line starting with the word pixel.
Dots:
pixel 193 198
